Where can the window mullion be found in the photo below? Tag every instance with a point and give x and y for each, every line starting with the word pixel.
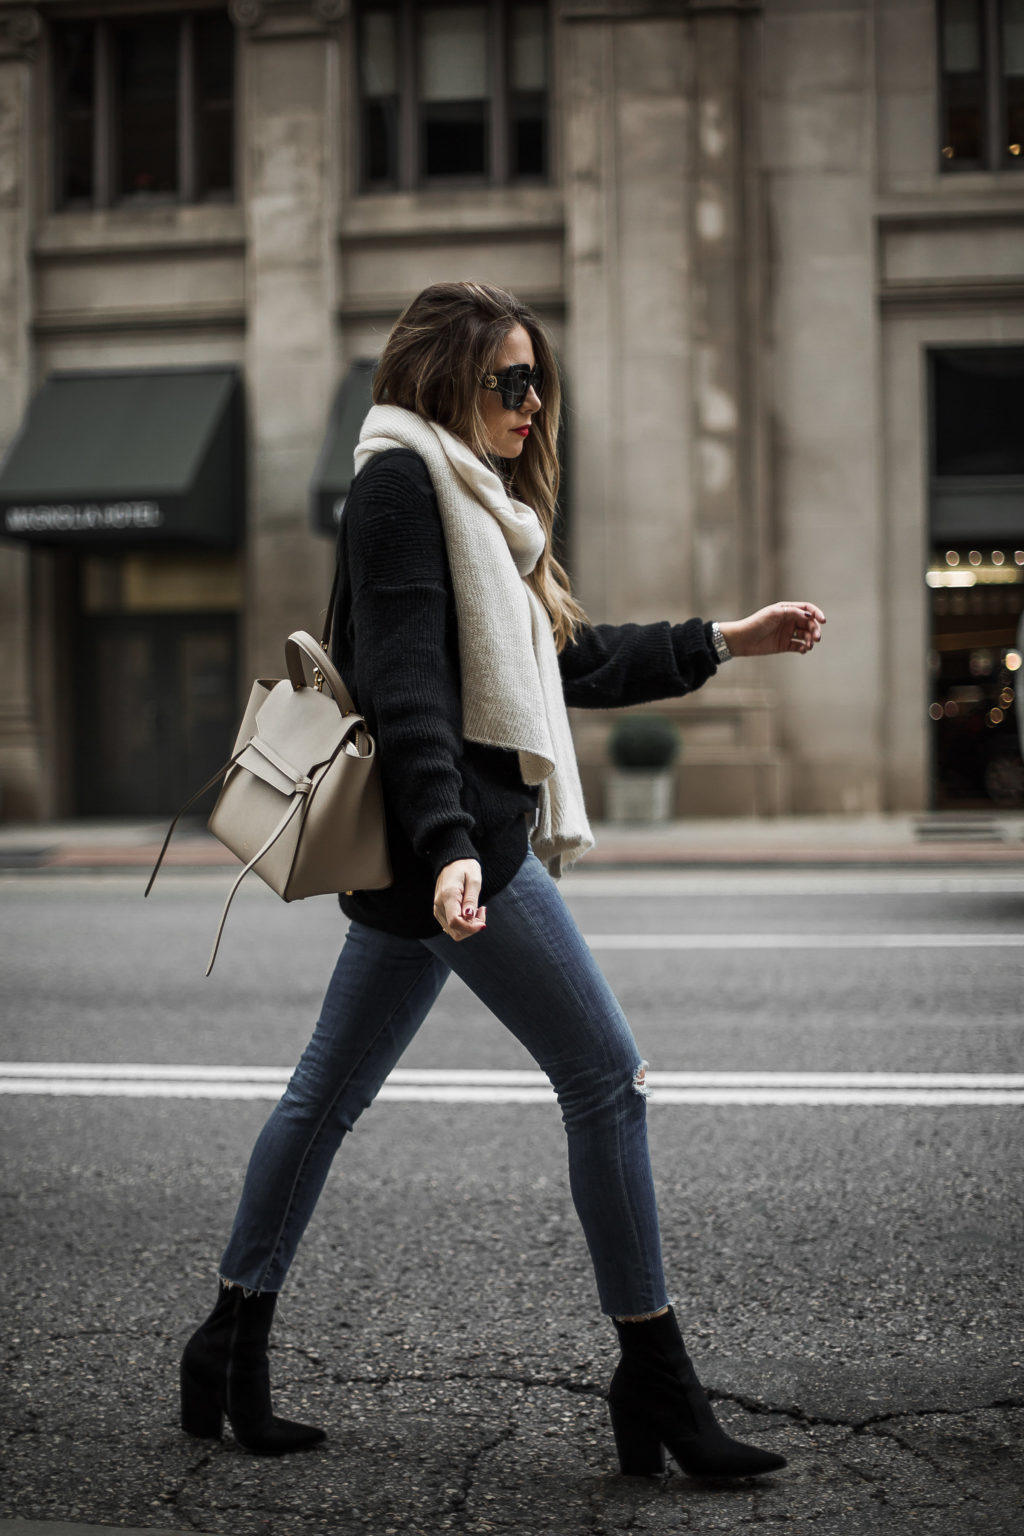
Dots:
pixel 188 177
pixel 498 105
pixel 61 114
pixel 408 98
pixel 104 142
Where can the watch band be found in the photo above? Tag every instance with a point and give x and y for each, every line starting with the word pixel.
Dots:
pixel 722 651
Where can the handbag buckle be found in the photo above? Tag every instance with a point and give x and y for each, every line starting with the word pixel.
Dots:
pixel 318 677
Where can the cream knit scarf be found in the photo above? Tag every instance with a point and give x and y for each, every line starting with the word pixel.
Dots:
pixel 511 685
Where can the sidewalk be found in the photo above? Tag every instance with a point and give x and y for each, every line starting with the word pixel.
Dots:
pixel 941 838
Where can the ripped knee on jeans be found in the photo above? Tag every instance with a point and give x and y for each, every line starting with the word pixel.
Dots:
pixel 640 1080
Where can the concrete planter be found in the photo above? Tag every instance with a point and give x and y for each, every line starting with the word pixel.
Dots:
pixel 639 794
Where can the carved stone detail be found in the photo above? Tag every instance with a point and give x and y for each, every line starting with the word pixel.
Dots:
pixel 20 27
pixel 247 14
pixel 330 11
pixel 286 15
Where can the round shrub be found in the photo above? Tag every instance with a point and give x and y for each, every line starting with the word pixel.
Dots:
pixel 643 741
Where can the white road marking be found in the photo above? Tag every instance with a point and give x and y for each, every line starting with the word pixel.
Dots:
pixel 485 1086
pixel 789 940
pixel 764 882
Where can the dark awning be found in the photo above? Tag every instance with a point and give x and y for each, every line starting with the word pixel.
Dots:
pixel 128 457
pixel 967 510
pixel 334 473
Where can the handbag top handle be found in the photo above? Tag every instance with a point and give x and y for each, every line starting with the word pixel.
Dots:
pixel 300 644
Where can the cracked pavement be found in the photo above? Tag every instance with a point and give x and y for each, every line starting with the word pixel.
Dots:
pixel 848 1280
pixel 477 1410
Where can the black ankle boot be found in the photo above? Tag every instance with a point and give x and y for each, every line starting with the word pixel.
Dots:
pixel 656 1402
pixel 224 1371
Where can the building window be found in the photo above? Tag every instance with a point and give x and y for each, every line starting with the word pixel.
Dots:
pixel 144 109
pixel 452 94
pixel 981 46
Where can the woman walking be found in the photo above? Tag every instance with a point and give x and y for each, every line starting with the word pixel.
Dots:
pixel 462 644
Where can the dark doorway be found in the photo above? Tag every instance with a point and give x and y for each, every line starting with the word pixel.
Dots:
pixel 156 709
pixel 976 575
pixel 975 664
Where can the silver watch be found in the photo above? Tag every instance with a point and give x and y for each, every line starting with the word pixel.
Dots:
pixel 722 651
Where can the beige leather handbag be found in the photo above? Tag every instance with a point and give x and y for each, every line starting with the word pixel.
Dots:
pixel 301 800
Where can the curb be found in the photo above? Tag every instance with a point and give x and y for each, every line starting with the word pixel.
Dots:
pixel 870 842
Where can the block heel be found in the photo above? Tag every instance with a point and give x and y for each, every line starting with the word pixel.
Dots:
pixel 225 1375
pixel 640 1451
pixel 657 1403
pixel 202 1411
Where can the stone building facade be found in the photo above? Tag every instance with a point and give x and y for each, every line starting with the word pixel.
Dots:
pixel 756 251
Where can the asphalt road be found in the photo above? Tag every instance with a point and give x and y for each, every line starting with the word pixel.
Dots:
pixel 843 1236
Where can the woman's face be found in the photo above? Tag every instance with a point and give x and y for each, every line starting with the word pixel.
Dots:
pixel 507 431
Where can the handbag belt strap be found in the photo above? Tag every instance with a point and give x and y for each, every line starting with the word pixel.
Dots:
pixel 302 788
pixel 299 779
pixel 211 781
pixel 297 800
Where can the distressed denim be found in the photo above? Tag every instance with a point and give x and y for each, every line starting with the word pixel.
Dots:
pixel 532 969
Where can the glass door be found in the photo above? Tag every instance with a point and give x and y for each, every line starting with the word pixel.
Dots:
pixel 156 709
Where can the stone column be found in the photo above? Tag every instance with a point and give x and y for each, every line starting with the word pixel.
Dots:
pixel 628 280
pixel 290 346
pixel 725 336
pixel 19 735
pixel 662 278
pixel 819 163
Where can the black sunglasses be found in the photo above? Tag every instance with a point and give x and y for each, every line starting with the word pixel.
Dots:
pixel 515 384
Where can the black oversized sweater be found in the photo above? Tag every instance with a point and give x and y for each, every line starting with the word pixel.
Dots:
pixel 396 644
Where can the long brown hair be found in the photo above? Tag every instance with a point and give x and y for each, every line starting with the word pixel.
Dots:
pixel 438 352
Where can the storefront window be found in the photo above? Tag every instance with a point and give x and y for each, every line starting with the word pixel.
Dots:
pixel 146 105
pixel 453 90
pixel 962 84
pixel 76 89
pixel 529 91
pixel 144 109
pixel 215 105
pixel 1013 77
pixel 452 93
pixel 380 104
pixel 981 62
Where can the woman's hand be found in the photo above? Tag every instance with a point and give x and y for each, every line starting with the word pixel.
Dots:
pixel 781 627
pixel 455 899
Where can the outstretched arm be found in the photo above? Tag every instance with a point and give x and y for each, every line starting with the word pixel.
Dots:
pixel 607 666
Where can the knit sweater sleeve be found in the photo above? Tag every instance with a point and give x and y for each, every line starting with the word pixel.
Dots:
pixel 405 653
pixel 610 665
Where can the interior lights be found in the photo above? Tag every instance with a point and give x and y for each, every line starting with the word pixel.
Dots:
pixel 1018 556
pixel 975 557
pixel 998 558
pixel 995 716
pixel 1012 661
pixel 936 712
pixel 950 578
pixel 952 558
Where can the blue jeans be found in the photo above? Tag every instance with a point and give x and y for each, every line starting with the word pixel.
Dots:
pixel 532 969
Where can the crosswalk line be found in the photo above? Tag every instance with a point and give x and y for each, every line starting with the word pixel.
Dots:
pixel 498 1086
